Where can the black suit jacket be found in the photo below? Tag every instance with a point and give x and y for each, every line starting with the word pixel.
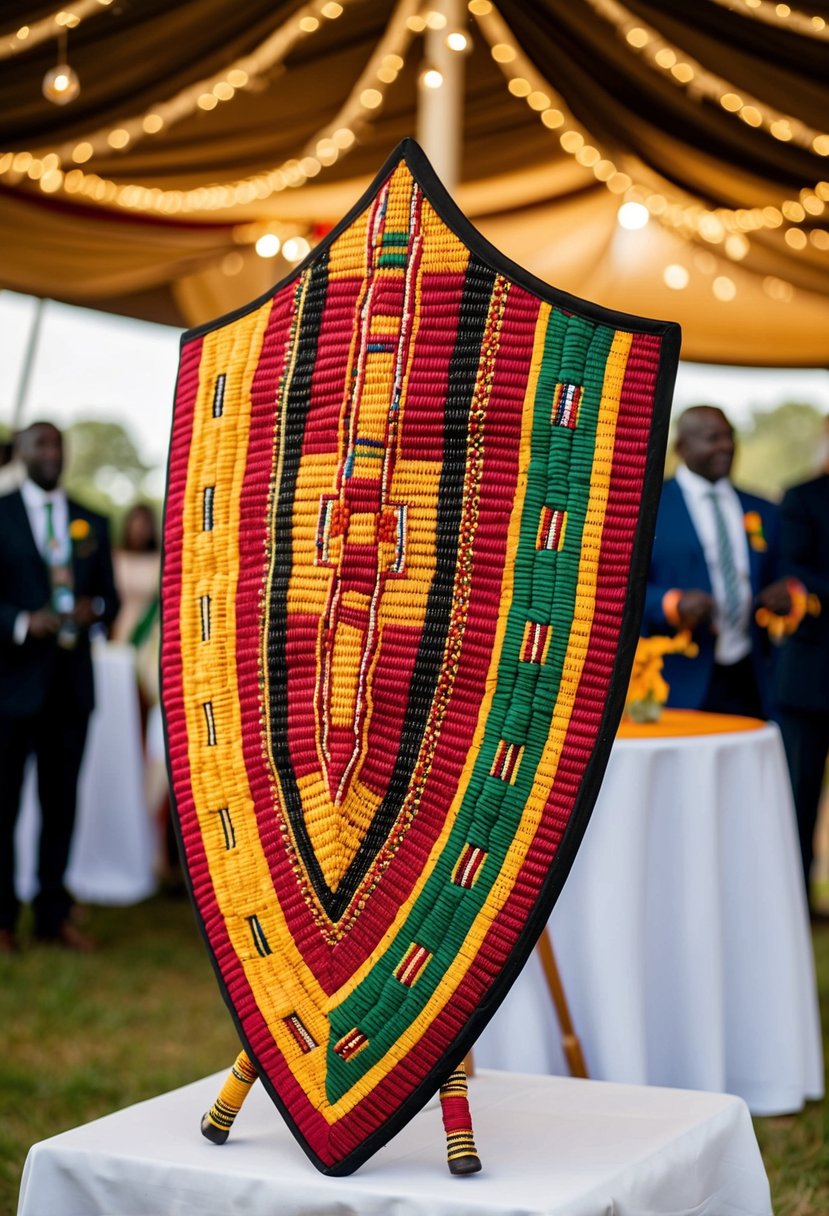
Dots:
pixel 803 667
pixel 30 671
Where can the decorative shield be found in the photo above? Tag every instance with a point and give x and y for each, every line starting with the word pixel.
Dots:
pixel 410 505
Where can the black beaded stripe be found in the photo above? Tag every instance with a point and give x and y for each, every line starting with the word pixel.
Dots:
pixel 219 395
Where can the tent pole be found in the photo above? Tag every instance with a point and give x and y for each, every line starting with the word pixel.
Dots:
pixel 28 364
pixel 440 110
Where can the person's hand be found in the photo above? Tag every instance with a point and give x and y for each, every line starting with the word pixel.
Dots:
pixel 84 614
pixel 44 623
pixel 695 608
pixel 776 597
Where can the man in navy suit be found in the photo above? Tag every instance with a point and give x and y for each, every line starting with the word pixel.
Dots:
pixel 715 559
pixel 802 677
pixel 55 582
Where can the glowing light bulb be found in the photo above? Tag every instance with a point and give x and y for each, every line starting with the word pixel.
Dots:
pixel 61 84
pixel 632 216
pixel 268 245
pixel 675 276
pixel 295 249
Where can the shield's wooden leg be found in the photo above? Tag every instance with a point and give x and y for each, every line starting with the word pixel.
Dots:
pixel 461 1154
pixel 216 1124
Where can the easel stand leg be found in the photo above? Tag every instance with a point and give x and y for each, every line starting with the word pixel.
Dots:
pixel 569 1039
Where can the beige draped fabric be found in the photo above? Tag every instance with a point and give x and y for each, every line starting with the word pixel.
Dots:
pixel 533 199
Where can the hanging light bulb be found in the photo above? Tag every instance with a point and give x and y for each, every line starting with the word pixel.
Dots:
pixel 61 84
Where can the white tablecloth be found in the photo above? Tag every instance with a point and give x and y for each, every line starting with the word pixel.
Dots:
pixel 112 857
pixel 682 933
pixel 548 1145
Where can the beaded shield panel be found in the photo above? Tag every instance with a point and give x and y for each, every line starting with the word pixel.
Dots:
pixel 410 504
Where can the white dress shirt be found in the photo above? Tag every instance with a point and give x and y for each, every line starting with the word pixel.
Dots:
pixel 34 500
pixel 733 641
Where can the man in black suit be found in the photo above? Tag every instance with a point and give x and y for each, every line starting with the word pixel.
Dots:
pixel 55 582
pixel 803 666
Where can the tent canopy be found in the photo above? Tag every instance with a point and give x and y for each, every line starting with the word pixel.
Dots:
pixel 201 126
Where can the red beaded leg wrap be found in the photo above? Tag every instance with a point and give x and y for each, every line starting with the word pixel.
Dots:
pixel 216 1124
pixel 461 1153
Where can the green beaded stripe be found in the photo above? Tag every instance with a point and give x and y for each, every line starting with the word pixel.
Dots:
pixel 575 351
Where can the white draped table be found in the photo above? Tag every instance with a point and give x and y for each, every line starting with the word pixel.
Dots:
pixel 112 857
pixel 682 933
pixel 550 1146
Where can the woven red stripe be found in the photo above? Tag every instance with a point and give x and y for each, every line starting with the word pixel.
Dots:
pixel 434 344
pixel 301 655
pixel 321 431
pixel 398 651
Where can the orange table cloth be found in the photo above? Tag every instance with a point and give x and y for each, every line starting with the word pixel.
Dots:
pixel 676 722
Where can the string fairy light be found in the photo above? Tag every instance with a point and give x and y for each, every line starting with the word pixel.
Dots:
pixel 67 18
pixel 781 15
pixel 208 93
pixel 685 214
pixel 687 73
pixel 322 150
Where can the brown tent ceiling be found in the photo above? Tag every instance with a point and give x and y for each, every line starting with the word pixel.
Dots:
pixel 526 193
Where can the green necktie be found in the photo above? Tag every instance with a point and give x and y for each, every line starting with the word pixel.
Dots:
pixel 728 567
pixel 50 540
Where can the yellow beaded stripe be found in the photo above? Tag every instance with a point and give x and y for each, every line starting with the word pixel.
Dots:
pixel 210 562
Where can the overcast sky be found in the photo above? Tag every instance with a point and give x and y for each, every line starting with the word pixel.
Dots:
pixel 93 365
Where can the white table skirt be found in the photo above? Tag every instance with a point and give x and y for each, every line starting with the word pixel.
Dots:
pixel 549 1146
pixel 112 856
pixel 682 933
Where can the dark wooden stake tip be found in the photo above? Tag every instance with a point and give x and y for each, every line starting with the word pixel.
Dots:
pixel 216 1135
pixel 465 1165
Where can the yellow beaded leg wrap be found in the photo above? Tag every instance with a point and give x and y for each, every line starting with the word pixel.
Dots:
pixel 216 1124
pixel 461 1154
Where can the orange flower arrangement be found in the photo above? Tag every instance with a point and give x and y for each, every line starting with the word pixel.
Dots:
pixel 648 690
pixel 754 530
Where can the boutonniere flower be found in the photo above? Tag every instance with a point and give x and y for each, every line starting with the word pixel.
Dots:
pixel 79 529
pixel 754 531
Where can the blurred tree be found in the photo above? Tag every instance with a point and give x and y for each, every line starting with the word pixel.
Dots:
pixel 780 447
pixel 103 466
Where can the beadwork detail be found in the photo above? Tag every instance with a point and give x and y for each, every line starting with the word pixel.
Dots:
pixel 412 964
pixel 301 1033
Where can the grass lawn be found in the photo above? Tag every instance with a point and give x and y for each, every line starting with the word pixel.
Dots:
pixel 88 1034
